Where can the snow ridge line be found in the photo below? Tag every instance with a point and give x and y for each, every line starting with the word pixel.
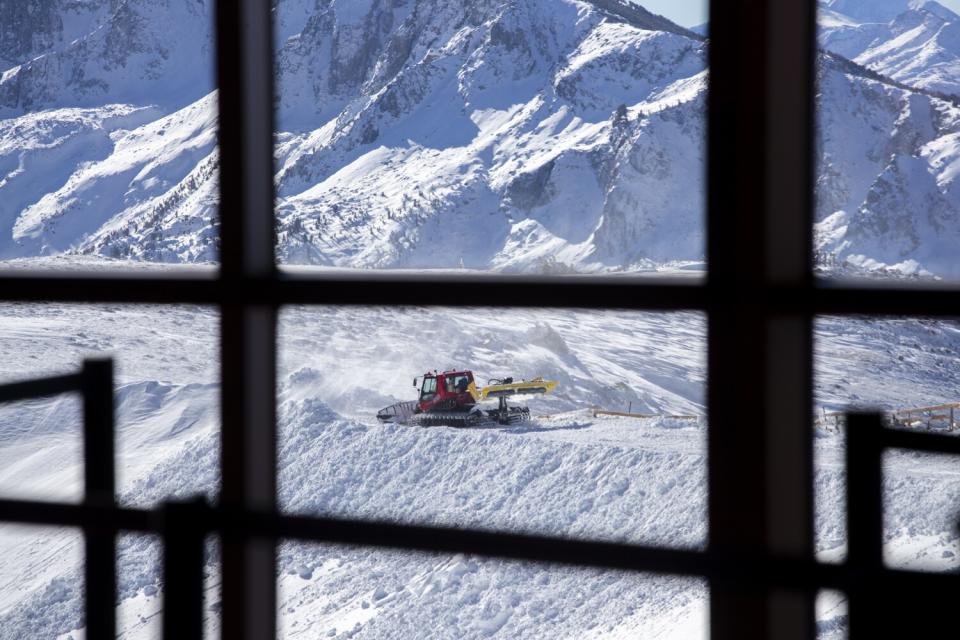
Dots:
pixel 855 68
pixel 641 17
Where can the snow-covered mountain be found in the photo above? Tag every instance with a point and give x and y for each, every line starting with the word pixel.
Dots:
pixel 886 189
pixel 534 135
pixel 507 135
pixel 917 43
pixel 870 10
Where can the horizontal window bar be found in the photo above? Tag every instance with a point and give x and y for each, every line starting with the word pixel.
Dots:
pixel 40 388
pixel 607 555
pixel 82 515
pixel 488 291
pixel 869 300
pixel 732 568
pixel 574 292
pixel 920 441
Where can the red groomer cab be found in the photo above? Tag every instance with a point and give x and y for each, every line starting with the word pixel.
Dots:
pixel 448 391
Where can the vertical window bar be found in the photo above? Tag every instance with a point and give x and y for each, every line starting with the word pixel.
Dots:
pixel 865 522
pixel 759 361
pixel 183 535
pixel 100 565
pixel 248 333
pixel 249 467
pixel 245 84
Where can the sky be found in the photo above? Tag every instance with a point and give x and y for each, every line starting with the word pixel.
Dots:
pixel 690 13
pixel 953 5
pixel 686 13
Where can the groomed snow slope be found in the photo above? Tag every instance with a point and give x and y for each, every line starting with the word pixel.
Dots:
pixel 565 473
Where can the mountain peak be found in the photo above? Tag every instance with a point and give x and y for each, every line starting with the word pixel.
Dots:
pixel 642 18
pixel 869 10
pixel 935 8
pixel 884 11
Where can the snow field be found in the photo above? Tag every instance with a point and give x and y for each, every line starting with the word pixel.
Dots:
pixel 347 593
pixel 565 473
pixel 495 479
pixel 155 411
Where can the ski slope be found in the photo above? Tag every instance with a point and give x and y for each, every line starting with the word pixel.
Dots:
pixel 564 473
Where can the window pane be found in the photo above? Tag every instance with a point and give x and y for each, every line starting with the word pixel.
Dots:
pixel 567 470
pixel 921 500
pixel 330 591
pixel 41 581
pixel 900 366
pixel 888 201
pixel 108 132
pixel 41 449
pixel 42 590
pixel 168 429
pixel 832 615
pixel 139 586
pixel 167 399
pixel 545 136
pixel 141 589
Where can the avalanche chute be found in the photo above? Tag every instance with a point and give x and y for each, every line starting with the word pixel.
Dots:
pixel 452 399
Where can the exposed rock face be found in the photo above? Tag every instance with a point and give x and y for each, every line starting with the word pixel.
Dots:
pixel 30 28
pixel 94 52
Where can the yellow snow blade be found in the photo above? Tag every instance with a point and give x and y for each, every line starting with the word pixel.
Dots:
pixel 472 389
pixel 528 387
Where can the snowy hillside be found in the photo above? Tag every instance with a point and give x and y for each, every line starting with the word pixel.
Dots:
pixel 507 136
pixel 542 128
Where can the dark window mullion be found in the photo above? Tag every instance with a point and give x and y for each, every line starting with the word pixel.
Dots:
pixel 248 327
pixel 824 298
pixel 99 462
pixel 759 360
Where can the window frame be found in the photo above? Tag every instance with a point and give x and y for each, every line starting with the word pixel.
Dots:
pixel 760 298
